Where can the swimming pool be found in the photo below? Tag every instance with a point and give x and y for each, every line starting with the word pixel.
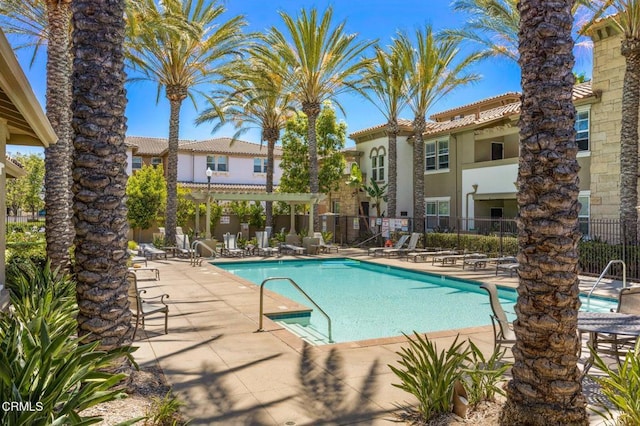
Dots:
pixel 367 300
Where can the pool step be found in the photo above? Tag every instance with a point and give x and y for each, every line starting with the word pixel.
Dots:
pixel 308 334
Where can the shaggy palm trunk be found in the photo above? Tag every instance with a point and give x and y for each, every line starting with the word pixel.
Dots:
pixel 392 179
pixel 176 95
pixel 58 226
pixel 419 125
pixel 99 173
pixel 271 136
pixel 546 388
pixel 630 49
pixel 312 111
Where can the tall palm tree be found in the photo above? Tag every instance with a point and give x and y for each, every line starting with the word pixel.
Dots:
pixel 384 84
pixel 256 96
pixel 319 62
pixel 437 69
pixel 493 25
pixel 99 173
pixel 178 45
pixel 627 19
pixel 546 387
pixel 47 22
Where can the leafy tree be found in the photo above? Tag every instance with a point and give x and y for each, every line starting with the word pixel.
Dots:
pixel 186 208
pixel 546 382
pixel 25 192
pixel 146 195
pixel 180 45
pixel 377 193
pixel 295 162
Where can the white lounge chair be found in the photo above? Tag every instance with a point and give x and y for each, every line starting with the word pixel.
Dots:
pixel 375 251
pixel 413 242
pixel 263 247
pixel 183 247
pixel 324 247
pixel 231 246
pixel 150 251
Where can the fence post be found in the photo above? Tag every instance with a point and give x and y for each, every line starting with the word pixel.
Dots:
pixel 501 234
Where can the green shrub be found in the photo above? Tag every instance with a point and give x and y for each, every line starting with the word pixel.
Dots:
pixel 481 243
pixel 164 411
pixel 621 388
pixel 43 364
pixel 484 376
pixel 430 376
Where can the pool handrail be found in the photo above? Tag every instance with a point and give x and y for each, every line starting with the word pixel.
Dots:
pixel 195 260
pixel 624 277
pixel 293 283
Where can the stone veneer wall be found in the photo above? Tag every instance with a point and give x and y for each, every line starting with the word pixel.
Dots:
pixel 608 74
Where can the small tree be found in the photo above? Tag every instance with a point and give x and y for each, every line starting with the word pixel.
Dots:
pixel 146 196
pixel 26 192
pixel 377 193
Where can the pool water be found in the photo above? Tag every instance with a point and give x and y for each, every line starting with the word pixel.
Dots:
pixel 367 301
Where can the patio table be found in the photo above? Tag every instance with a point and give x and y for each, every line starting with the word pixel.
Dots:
pixel 612 323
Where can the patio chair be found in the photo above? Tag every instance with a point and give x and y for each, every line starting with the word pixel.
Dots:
pixel 150 251
pixel 375 251
pixel 262 238
pixel 502 329
pixel 143 307
pixel 231 246
pixel 135 258
pixel 619 345
pixel 404 251
pixel 183 246
pixel 324 247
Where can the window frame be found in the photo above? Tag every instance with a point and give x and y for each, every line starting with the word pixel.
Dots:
pixel 156 161
pixel 579 111
pixel 261 164
pixel 441 212
pixel 377 157
pixel 437 155
pixel 134 162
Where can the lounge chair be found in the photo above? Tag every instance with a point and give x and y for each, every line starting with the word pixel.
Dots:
pixel 375 251
pixel 507 264
pixel 183 247
pixel 135 258
pixel 404 251
pixel 291 249
pixel 502 329
pixel 324 247
pixel 452 259
pixel 143 307
pixel 150 251
pixel 430 251
pixel 263 247
pixel 231 246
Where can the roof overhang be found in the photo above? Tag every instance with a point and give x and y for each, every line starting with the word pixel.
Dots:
pixel 296 198
pixel 495 196
pixel 12 170
pixel 27 122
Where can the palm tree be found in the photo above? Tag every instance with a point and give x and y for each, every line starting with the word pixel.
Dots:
pixel 384 84
pixel 493 25
pixel 433 75
pixel 48 22
pixel 257 96
pixel 546 388
pixel 319 62
pixel 99 173
pixel 627 20
pixel 178 45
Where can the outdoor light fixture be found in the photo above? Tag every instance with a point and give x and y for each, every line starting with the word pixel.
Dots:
pixel 208 228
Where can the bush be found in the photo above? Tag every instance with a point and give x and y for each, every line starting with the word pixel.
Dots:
pixel 43 364
pixel 481 243
pixel 484 376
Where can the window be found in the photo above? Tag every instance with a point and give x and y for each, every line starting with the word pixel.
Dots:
pixel 436 155
pixel 582 130
pixel 217 163
pixel 259 165
pixel 497 151
pixel 156 161
pixel 584 213
pixel 136 163
pixel 336 207
pixel 437 213
pixel 377 163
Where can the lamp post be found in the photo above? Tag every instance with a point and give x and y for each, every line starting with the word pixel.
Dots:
pixel 208 228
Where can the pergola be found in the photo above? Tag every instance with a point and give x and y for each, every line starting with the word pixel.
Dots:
pixel 291 198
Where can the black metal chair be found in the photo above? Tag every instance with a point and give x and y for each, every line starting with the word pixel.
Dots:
pixel 143 307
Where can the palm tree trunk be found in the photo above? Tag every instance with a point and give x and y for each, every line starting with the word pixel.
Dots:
pixel 99 173
pixel 392 131
pixel 419 125
pixel 271 135
pixel 58 226
pixel 312 110
pixel 176 95
pixel 630 49
pixel 546 386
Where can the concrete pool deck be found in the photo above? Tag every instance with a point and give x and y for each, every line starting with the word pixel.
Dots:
pixel 227 373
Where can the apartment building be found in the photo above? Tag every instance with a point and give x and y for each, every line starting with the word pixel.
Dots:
pixel 236 165
pixel 471 152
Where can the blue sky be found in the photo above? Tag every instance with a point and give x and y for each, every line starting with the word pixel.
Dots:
pixel 370 19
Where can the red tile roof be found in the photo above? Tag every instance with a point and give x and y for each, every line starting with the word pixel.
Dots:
pixel 159 146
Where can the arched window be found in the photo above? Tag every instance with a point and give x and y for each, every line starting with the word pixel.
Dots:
pixel 377 156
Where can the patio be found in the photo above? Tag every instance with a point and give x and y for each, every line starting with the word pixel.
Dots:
pixel 227 373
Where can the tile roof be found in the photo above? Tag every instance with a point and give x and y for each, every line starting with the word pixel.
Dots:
pixel 159 146
pixel 403 123
pixel 221 187
pixel 580 91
